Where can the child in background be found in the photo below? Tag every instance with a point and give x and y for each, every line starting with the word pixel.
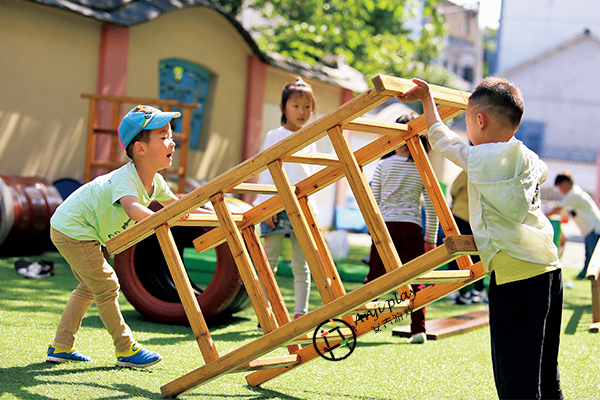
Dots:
pixel 398 187
pixel 584 211
pixel 297 105
pixel 513 236
pixel 100 210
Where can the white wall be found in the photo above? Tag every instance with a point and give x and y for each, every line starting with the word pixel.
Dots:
pixel 561 90
pixel 530 27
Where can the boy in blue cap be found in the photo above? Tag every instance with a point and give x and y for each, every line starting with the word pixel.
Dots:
pixel 100 210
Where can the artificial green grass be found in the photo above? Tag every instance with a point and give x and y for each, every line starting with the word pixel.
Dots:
pixel 381 367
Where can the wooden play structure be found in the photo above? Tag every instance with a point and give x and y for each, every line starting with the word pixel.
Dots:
pixel 243 240
pixel 115 104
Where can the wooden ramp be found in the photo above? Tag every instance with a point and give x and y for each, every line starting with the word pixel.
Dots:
pixel 244 242
pixel 445 327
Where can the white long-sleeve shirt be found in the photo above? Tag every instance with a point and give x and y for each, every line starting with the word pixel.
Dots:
pixel 397 187
pixel 504 203
pixel 296 171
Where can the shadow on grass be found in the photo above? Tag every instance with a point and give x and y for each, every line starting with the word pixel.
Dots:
pixel 21 382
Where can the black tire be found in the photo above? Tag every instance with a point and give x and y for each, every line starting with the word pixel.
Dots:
pixel 147 283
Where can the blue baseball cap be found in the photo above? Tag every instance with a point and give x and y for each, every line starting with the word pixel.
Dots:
pixel 141 118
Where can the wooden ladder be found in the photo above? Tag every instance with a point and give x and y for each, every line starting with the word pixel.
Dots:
pixel 244 242
pixel 117 112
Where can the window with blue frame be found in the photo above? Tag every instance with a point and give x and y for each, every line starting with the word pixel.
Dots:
pixel 186 83
pixel 531 133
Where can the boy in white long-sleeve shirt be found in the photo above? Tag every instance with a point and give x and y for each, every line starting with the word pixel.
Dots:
pixel 513 236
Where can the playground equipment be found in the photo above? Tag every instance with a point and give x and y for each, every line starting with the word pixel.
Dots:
pixel 239 233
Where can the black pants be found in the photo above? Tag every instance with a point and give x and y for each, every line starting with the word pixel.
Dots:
pixel 525 321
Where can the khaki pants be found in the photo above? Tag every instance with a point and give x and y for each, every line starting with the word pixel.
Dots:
pixel 98 283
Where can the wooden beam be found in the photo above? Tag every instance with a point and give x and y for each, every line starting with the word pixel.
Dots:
pixel 443 277
pixel 374 126
pixel 394 86
pixel 244 263
pixel 256 188
pixel 312 158
pixel 186 293
pixel 266 363
pixel 205 220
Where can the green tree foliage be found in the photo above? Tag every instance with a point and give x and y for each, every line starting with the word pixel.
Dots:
pixel 373 36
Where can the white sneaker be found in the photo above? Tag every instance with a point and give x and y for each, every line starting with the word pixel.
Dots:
pixel 418 338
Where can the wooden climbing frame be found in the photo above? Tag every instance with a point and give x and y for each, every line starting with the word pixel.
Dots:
pixel 238 231
pixel 593 275
pixel 117 111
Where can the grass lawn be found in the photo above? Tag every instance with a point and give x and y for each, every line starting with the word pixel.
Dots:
pixel 381 367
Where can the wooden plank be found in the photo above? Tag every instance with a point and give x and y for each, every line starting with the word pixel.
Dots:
pixel 595 288
pixel 312 158
pixel 302 230
pixel 244 263
pixel 443 277
pixel 205 220
pixel 186 293
pixel 247 169
pixel 375 126
pixel 394 86
pixel 593 271
pixel 257 188
pixel 301 326
pixel 445 327
pixel 330 272
pixel 267 277
pixel 380 306
pixel 432 185
pixel 138 100
pixel 266 363
pixel 309 353
pixel 366 202
pixel 89 141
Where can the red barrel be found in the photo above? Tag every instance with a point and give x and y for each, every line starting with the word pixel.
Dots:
pixel 28 204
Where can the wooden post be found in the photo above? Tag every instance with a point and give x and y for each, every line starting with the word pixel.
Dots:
pixel 434 190
pixel 244 263
pixel 186 293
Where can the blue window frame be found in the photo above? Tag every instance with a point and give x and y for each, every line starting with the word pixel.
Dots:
pixel 187 83
pixel 531 133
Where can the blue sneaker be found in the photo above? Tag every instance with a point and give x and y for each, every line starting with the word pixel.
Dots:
pixel 58 355
pixel 137 357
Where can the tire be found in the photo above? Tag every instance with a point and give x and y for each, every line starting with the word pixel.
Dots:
pixel 147 283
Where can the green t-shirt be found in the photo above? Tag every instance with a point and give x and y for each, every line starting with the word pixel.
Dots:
pixel 93 212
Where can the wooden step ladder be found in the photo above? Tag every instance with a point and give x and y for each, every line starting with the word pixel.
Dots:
pixel 250 257
pixel 116 104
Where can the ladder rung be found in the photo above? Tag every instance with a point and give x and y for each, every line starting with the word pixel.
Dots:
pixel 313 158
pixel 257 188
pixel 444 276
pixel 204 220
pixel 266 363
pixel 374 126
pixel 308 339
pixel 381 305
pixel 105 129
